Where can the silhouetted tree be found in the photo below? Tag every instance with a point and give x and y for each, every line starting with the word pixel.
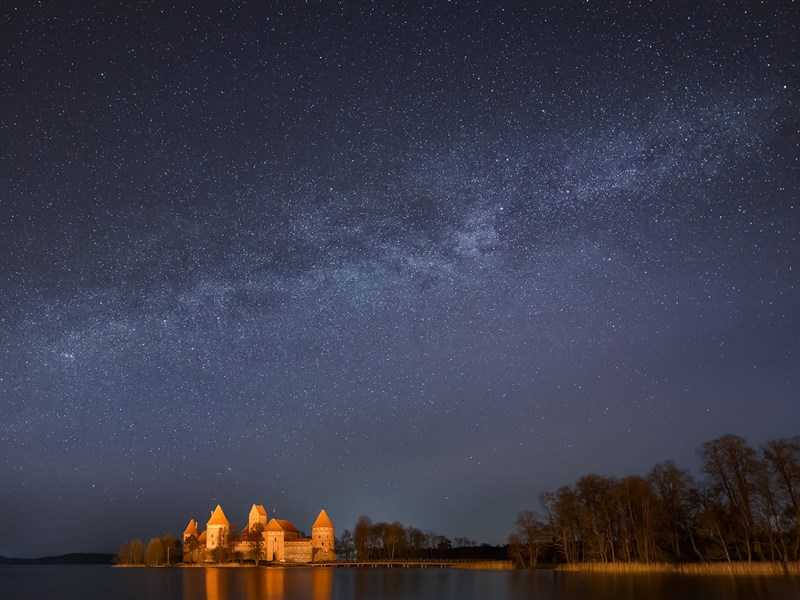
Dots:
pixel 220 554
pixel 731 466
pixel 345 546
pixel 529 537
pixel 393 537
pixel 191 546
pixel 746 508
pixel 172 548
pixel 255 536
pixel 782 463
pixel 362 535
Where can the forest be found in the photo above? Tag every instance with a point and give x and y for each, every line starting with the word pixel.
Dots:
pixel 744 507
pixel 395 541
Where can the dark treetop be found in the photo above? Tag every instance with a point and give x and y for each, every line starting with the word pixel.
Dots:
pixel 422 262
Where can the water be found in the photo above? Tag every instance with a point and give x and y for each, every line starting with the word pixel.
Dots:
pixel 93 582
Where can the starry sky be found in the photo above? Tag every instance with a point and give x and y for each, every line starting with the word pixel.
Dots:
pixel 421 261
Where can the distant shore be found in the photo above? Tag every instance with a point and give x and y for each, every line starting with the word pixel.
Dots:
pixel 75 558
pixel 716 568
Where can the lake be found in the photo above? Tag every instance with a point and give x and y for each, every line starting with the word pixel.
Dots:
pixel 97 582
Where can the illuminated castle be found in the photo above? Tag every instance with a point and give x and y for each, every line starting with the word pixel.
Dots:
pixel 276 540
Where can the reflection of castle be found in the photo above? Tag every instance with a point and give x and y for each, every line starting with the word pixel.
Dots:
pixel 257 584
pixel 276 540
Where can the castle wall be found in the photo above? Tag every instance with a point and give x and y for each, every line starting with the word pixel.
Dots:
pixel 300 551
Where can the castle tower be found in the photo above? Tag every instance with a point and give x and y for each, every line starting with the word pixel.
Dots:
pixel 323 538
pixel 257 516
pixel 279 531
pixel 217 529
pixel 191 529
pixel 190 542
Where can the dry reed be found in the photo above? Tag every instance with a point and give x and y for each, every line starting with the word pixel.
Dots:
pixel 715 568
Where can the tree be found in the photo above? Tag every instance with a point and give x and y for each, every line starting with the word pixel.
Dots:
pixel 597 502
pixel 123 554
pixel 136 549
pixel 256 537
pixel 747 507
pixel 417 540
pixel 529 537
pixel 731 466
pixel 565 517
pixel 674 490
pixel 190 548
pixel 443 545
pixel 172 548
pixel 154 555
pixel 782 461
pixel 393 537
pixel 345 546
pixel 361 535
pixel 220 554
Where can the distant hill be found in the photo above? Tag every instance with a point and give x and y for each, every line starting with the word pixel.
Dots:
pixel 82 558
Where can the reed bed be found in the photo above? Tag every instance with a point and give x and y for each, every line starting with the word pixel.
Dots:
pixel 715 568
pixel 485 565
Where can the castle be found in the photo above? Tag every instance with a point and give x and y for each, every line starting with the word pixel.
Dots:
pixel 270 540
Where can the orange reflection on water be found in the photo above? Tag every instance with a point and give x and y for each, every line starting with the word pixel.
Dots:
pixel 264 583
pixel 322 583
pixel 274 583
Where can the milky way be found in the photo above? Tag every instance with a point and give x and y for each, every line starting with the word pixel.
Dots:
pixel 419 263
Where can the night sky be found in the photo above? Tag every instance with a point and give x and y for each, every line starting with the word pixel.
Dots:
pixel 422 263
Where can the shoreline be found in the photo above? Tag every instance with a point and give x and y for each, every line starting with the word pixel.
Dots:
pixel 477 565
pixel 716 568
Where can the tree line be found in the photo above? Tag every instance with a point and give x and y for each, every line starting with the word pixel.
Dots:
pixel 164 550
pixel 395 541
pixel 746 507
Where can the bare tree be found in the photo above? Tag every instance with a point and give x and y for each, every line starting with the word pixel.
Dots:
pixel 136 548
pixel 154 555
pixel 782 459
pixel 530 535
pixel 361 537
pixel 731 466
pixel 172 547
pixel 345 546
pixel 393 537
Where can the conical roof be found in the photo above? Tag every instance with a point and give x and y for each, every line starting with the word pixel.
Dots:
pixel 218 517
pixel 191 528
pixel 323 520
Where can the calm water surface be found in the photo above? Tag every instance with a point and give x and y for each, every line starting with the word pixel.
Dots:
pixel 91 582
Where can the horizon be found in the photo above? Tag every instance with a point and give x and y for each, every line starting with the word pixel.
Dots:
pixel 240 520
pixel 417 262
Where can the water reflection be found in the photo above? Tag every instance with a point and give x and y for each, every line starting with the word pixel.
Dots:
pixel 214 583
pixel 102 583
pixel 320 583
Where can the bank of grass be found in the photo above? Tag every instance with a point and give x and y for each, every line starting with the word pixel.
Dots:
pixel 715 568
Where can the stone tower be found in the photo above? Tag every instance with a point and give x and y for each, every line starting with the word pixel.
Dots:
pixel 191 546
pixel 323 538
pixel 217 529
pixel 257 516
